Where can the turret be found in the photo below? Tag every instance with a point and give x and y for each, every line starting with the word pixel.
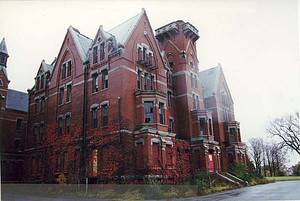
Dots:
pixel 3 53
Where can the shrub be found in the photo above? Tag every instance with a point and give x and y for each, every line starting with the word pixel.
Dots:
pixel 153 190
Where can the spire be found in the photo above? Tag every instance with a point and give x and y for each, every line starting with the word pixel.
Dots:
pixel 3 48
pixel 3 53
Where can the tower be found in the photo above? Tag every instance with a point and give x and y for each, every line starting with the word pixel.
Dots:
pixel 4 81
pixel 177 40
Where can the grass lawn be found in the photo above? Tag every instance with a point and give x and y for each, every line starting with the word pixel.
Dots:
pixel 284 178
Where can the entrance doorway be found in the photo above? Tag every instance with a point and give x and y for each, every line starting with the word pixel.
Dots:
pixel 210 163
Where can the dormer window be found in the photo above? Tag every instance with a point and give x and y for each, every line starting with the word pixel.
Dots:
pixel 38 83
pixel 69 68
pixel 102 51
pixel 42 81
pixel 139 54
pixel 64 66
pixel 95 55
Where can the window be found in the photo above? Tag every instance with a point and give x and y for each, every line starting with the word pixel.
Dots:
pixel 171 64
pixel 144 54
pixel 197 97
pixel 161 113
pixel 64 161
pixel 102 51
pixel 191 64
pixel 171 121
pixel 95 55
pixel 169 154
pixel 232 135
pixel 64 66
pixel 68 122
pixel 41 132
pixel 19 124
pixel 150 59
pixel 58 161
pixel 194 102
pixel 155 154
pixel 210 128
pixel 35 131
pixel 202 126
pixel 145 81
pixel 17 144
pixel 192 82
pixel 60 125
pixel 69 90
pixel 139 79
pixel 69 68
pixel 168 77
pixel 94 83
pixel 94 117
pixel 42 81
pixel 38 83
pixel 42 104
pixel 148 108
pixel 196 84
pixel 152 82
pixel 169 99
pixel 139 54
pixel 104 115
pixel 104 79
pixel 61 95
pixel 36 106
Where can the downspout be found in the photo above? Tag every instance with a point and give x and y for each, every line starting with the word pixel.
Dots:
pixel 84 150
pixel 119 119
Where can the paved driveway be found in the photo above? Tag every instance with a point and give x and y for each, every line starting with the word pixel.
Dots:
pixel 287 190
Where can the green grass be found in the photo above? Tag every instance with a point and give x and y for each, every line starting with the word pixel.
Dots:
pixel 284 178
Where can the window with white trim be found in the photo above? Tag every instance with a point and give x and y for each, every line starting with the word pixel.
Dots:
pixel 36 106
pixel 202 126
pixel 104 79
pixel 145 81
pixel 171 121
pixel 19 124
pixel 68 123
pixel 42 81
pixel 102 51
pixel 148 109
pixel 41 131
pixel 61 95
pixel 69 68
pixel 38 83
pixel 94 117
pixel 95 55
pixel 95 82
pixel 104 115
pixel 169 99
pixel 64 69
pixel 152 83
pixel 60 125
pixel 161 112
pixel 194 101
pixel 139 79
pixel 69 92
pixel 42 104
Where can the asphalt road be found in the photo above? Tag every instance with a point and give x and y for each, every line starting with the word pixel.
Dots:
pixel 287 190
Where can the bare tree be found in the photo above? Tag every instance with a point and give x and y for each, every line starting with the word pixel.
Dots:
pixel 275 157
pixel 287 129
pixel 255 150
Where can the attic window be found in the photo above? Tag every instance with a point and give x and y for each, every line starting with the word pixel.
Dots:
pixel 1 82
pixel 171 64
pixel 99 38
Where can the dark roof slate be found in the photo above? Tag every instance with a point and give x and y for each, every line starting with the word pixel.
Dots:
pixel 17 100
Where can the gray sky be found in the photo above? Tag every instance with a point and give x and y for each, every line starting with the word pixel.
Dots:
pixel 255 41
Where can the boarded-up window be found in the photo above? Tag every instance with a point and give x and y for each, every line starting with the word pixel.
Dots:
pixel 155 154
pixel 169 154
pixel 94 162
pixel 140 155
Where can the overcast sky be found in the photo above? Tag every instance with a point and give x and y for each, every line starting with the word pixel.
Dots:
pixel 256 42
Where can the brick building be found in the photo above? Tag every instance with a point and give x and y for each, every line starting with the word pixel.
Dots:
pixel 13 119
pixel 142 88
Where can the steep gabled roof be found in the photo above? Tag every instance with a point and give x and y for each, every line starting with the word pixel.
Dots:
pixel 82 43
pixel 47 67
pixel 3 47
pixel 17 100
pixel 123 31
pixel 209 79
